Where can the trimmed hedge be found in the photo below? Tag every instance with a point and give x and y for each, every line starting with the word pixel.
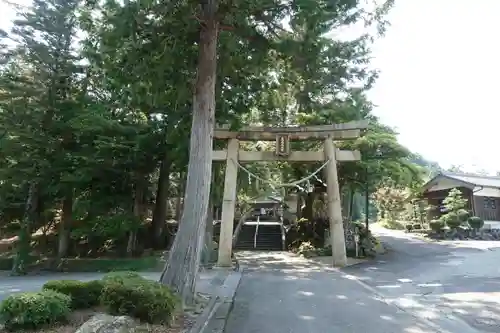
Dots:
pixel 122 276
pixel 151 263
pixel 137 297
pixel 436 225
pixel 34 310
pixel 476 222
pixel 83 294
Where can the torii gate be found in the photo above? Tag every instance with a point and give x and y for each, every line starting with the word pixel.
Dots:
pixel 282 135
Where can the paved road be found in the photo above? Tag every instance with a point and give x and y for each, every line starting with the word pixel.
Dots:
pixel 459 280
pixel 281 293
pixel 421 287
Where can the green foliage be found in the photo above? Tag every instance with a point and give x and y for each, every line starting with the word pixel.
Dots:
pixel 306 249
pixel 455 205
pixel 122 276
pixel 146 300
pixel 83 294
pixel 437 225
pixel 86 122
pixel 148 263
pixel 391 224
pixel 454 201
pixel 476 222
pixel 34 310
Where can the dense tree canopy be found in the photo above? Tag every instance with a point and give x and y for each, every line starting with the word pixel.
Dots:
pixel 97 109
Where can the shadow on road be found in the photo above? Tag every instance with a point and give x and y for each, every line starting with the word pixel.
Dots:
pixel 283 293
pixel 460 280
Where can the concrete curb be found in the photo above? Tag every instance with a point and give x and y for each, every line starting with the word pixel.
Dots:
pixel 214 317
pixel 208 312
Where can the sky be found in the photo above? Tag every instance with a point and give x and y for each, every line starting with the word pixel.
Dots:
pixel 439 80
pixel 438 84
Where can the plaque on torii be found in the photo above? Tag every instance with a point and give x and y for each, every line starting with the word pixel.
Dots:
pixel 282 145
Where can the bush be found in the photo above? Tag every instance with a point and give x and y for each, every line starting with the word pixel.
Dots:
pixel 33 310
pixel 83 294
pixel 391 224
pixel 476 222
pixel 436 225
pixel 122 276
pixel 6 263
pixel 452 220
pixel 146 300
pixel 463 215
pixel 149 263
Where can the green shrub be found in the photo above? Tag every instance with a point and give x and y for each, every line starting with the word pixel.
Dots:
pixel 6 263
pixel 436 225
pixel 146 300
pixel 391 224
pixel 122 276
pixel 83 294
pixel 307 249
pixel 452 220
pixel 149 263
pixel 463 215
pixel 476 222
pixel 33 310
pixel 324 251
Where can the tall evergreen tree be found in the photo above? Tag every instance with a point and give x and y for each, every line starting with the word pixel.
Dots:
pixel 37 99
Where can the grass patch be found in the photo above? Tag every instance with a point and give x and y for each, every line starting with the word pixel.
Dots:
pixel 151 263
pixel 148 263
pixel 7 261
pixel 392 225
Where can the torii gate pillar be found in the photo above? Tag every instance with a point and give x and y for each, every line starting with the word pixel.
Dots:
pixel 228 205
pixel 337 239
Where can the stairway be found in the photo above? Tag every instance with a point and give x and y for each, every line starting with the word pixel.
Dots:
pixel 268 237
pixel 246 237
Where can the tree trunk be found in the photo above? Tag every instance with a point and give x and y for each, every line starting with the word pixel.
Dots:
pixel 23 243
pixel 161 206
pixel 208 237
pixel 367 208
pixel 351 204
pixel 182 266
pixel 178 202
pixel 138 211
pixel 65 225
pixel 308 211
pixel 298 208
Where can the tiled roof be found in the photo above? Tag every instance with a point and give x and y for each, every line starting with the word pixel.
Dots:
pixel 486 181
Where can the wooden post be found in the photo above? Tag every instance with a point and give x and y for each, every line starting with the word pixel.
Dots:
pixel 334 207
pixel 228 205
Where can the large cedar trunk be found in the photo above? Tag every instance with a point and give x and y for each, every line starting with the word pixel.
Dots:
pixel 138 211
pixel 23 244
pixel 308 210
pixel 178 202
pixel 161 206
pixel 65 225
pixel 208 237
pixel 183 263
